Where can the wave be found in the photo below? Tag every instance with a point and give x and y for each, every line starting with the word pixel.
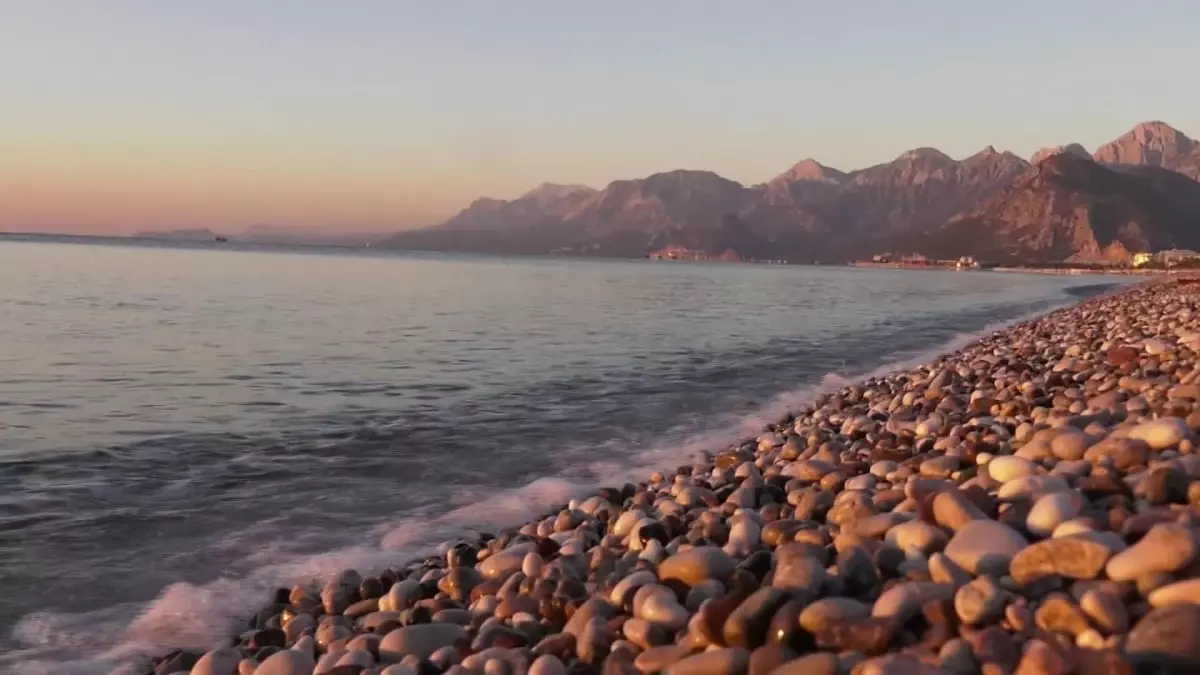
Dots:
pixel 122 638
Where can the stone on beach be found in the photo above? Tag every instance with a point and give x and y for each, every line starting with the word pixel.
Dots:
pixel 1165 548
pixel 727 661
pixel 217 662
pixel 1052 510
pixel 902 601
pixel 980 601
pixel 1167 640
pixel 985 547
pixel 696 565
pixel 420 640
pixel 918 536
pixel 286 662
pixel 952 510
pixel 504 563
pixel 821 614
pixel 1007 468
pixel 1177 593
pixel 1070 557
pixel 1161 433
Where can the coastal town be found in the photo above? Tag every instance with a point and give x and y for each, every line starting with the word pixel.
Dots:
pixel 1145 262
pixel 1169 259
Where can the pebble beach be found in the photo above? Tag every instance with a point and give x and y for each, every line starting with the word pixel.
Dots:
pixel 1029 504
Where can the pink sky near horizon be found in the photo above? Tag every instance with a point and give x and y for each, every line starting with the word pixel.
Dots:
pixel 375 115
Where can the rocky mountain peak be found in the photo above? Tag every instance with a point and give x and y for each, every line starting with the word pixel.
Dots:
pixel 1066 163
pixel 1148 131
pixel 929 154
pixel 556 191
pixel 1070 148
pixel 810 170
pixel 1149 144
pixel 989 158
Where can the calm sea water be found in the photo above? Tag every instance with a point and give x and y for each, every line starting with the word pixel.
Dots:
pixel 183 427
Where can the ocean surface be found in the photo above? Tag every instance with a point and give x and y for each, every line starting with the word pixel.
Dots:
pixel 182 427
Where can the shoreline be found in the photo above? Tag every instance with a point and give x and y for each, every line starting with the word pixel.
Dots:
pixel 861 506
pixel 1057 271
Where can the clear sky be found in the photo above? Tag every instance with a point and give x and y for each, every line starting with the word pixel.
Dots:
pixel 120 115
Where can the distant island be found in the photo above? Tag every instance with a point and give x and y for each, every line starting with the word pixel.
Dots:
pixel 1133 196
pixel 200 234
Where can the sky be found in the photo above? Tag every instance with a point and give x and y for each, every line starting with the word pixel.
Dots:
pixel 377 115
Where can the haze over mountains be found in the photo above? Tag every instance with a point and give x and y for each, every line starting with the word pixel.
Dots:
pixel 1139 192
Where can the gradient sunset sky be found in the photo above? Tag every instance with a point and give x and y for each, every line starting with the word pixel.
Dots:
pixel 356 115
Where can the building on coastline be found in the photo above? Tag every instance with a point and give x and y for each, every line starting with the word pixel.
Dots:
pixel 913 261
pixel 1175 256
pixel 907 259
pixel 1169 258
pixel 675 252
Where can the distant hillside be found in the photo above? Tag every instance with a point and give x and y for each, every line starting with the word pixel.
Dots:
pixel 1137 193
pixel 312 236
pixel 1072 208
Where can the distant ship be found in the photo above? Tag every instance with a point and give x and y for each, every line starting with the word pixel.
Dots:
pixel 220 240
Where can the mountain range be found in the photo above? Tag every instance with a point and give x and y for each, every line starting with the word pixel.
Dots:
pixel 1139 192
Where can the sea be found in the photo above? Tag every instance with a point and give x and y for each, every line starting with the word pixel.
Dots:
pixel 184 427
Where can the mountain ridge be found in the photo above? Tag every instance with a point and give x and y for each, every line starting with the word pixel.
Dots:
pixel 810 211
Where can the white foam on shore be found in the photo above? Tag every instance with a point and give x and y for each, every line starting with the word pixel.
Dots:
pixel 120 639
pixel 670 454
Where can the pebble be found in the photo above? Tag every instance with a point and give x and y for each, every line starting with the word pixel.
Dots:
pixel 1057 613
pixel 500 565
pixel 748 624
pixel 696 565
pixel 1162 433
pixel 1007 468
pixel 1166 640
pixel 952 510
pixel 657 659
pixel 420 640
pixel 1070 445
pixel 979 602
pixel 286 662
pixel 1052 510
pixel 902 601
pixel 826 612
pixel 217 662
pixel 985 547
pixel 1042 659
pixel 1074 557
pixel 797 572
pixel 820 663
pixel 1165 548
pixel 1105 610
pixel 547 664
pixel 729 661
pixel 1180 592
pixel 918 537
